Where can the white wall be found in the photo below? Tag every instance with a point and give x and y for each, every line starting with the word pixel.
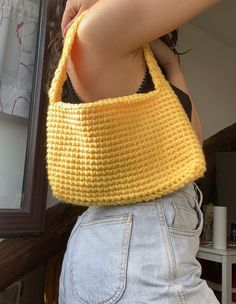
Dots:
pixel 210 71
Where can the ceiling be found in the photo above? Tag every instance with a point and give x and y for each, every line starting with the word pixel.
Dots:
pixel 220 22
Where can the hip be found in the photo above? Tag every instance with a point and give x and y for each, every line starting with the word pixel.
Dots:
pixel 140 253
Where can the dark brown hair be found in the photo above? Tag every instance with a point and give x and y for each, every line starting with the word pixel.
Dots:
pixel 171 41
pixel 55 40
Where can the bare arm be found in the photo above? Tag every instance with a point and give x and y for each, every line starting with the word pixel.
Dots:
pixel 72 9
pixel 127 25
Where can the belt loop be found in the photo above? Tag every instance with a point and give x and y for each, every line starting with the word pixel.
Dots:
pixel 198 191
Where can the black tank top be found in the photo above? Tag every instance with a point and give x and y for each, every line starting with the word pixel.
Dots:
pixel 145 87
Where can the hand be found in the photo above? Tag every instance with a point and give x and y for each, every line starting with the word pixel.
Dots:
pixel 72 9
pixel 164 55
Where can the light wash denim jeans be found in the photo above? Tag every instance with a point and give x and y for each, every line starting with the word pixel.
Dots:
pixel 142 253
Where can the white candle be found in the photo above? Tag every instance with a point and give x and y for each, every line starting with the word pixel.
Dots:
pixel 220 227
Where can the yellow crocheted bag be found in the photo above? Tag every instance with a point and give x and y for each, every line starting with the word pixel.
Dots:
pixel 120 150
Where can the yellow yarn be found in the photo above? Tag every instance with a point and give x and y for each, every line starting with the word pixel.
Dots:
pixel 119 150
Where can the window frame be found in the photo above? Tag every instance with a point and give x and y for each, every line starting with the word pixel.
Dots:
pixel 30 218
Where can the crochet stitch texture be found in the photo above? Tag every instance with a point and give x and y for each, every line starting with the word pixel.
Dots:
pixel 119 150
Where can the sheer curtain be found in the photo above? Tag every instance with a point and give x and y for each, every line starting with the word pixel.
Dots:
pixel 18 34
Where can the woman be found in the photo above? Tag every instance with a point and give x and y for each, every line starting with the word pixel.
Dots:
pixel 143 252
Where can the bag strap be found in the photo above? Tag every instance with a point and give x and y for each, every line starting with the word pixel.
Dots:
pixel 155 71
pixel 60 75
pixel 59 78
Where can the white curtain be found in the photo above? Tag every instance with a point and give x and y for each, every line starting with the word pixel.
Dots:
pixel 18 35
